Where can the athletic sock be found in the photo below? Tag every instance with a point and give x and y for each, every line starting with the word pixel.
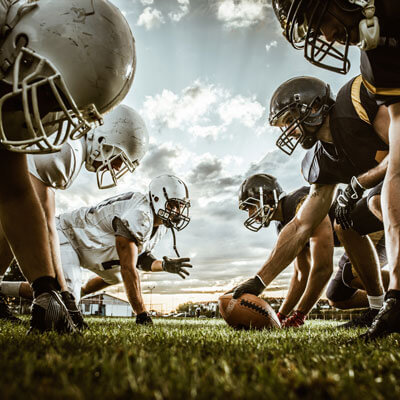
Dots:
pixel 44 284
pixel 10 289
pixel 376 302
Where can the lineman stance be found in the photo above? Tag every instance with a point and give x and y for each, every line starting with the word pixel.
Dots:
pixel 37 80
pixel 110 150
pixel 349 136
pixel 318 27
pixel 115 237
pixel 262 197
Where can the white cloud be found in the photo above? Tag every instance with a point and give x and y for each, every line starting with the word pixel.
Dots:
pixel 183 10
pixel 241 13
pixel 150 18
pixel 246 110
pixel 181 111
pixel 147 2
pixel 204 110
pixel 268 46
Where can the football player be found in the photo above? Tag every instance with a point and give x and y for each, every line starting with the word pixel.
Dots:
pixel 346 138
pixel 263 198
pixel 116 237
pixel 44 72
pixel 325 29
pixel 110 151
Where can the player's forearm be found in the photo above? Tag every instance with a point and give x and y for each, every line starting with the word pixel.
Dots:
pixel 318 279
pixel 296 289
pixel 133 290
pixel 374 176
pixel 291 241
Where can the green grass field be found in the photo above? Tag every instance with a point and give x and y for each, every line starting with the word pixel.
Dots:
pixel 202 359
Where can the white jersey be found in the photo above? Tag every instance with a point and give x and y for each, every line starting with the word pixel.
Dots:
pixel 59 170
pixel 91 230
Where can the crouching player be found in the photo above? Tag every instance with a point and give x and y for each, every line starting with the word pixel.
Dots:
pixel 116 237
pixel 110 150
pixel 262 197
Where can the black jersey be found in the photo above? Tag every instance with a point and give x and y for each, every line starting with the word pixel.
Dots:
pixel 356 147
pixel 380 67
pixel 290 204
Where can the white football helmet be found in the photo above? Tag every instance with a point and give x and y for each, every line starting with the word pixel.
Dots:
pixel 169 198
pixel 72 58
pixel 122 140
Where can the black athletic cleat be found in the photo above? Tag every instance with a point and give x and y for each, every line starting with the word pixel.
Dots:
pixel 5 312
pixel 74 312
pixel 49 313
pixel 363 321
pixel 386 322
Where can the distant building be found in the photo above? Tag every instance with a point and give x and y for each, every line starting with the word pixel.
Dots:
pixel 105 305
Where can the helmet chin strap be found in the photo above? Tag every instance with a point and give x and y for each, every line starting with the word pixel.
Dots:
pixel 174 242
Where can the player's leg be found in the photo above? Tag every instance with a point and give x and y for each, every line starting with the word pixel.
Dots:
pixel 94 285
pixel 47 200
pixel 390 199
pixel 363 257
pixel 388 319
pixel 72 273
pixel 24 225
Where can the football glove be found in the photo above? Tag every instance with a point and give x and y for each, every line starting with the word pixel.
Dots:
pixel 281 317
pixel 144 319
pixel 253 286
pixel 176 266
pixel 345 202
pixel 295 320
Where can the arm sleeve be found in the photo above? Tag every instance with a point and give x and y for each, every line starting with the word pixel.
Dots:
pixel 135 225
pixel 145 261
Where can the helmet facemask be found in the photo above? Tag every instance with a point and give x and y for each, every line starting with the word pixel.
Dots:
pixel 109 156
pixel 302 28
pixel 299 123
pixel 175 213
pixel 265 209
pixel 31 74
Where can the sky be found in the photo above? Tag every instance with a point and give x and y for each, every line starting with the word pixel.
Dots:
pixel 206 70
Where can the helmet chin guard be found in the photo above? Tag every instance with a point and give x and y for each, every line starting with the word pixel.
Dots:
pixel 69 122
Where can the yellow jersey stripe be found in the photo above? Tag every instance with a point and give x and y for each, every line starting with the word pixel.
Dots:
pixel 356 99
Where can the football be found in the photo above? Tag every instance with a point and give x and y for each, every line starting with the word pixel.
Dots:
pixel 247 312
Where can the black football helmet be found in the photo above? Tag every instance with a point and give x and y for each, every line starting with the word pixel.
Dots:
pixel 301 22
pixel 264 192
pixel 299 107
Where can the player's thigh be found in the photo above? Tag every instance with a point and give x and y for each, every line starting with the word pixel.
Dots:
pixel 111 276
pixel 71 268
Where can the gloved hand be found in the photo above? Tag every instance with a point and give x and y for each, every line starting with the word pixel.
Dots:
pixel 281 317
pixel 253 286
pixel 144 319
pixel 176 266
pixel 345 202
pixel 296 320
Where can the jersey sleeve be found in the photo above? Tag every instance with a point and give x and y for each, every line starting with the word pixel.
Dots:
pixel 136 225
pixel 318 166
